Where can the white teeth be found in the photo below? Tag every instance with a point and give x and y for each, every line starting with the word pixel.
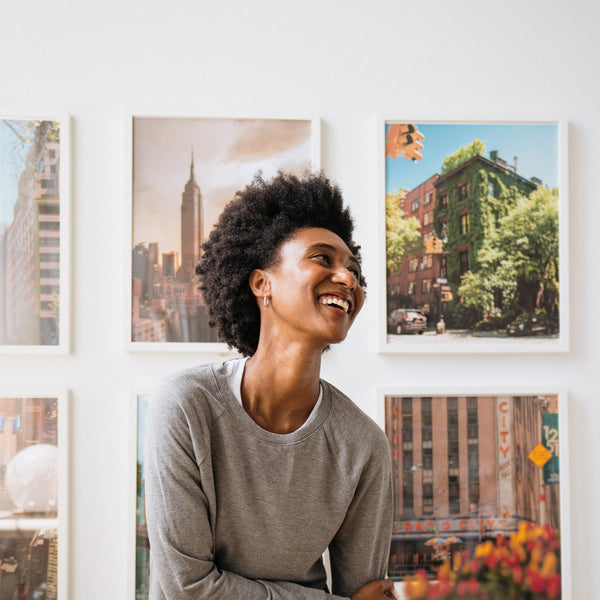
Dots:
pixel 343 304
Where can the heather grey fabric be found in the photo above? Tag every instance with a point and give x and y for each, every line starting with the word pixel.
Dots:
pixel 236 512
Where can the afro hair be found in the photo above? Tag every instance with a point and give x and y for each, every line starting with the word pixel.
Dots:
pixel 248 235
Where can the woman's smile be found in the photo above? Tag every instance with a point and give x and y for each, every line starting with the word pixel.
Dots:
pixel 336 301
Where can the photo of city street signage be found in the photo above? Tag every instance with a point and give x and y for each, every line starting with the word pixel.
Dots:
pixel 34 232
pixel 480 479
pixel 184 171
pixel 33 496
pixel 473 227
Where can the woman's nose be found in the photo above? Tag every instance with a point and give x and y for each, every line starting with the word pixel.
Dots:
pixel 344 276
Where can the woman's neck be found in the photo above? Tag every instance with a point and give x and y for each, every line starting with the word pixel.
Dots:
pixel 280 386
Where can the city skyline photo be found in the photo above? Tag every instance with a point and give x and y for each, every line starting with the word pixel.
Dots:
pixel 184 171
pixel 226 153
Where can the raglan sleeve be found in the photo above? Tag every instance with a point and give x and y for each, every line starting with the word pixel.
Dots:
pixel 182 565
pixel 359 552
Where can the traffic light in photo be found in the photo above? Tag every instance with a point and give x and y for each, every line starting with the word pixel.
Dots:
pixel 404 139
pixel 433 245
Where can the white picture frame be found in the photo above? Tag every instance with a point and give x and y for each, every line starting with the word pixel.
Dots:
pixel 41 480
pixel 35 270
pixel 426 278
pixel 507 416
pixel 302 151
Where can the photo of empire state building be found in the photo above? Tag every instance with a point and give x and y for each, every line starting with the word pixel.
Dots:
pixel 167 304
pixel 185 170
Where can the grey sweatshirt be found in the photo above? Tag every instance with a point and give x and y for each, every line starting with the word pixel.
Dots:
pixel 236 512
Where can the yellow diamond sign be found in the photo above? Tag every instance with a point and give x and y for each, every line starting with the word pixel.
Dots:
pixel 540 455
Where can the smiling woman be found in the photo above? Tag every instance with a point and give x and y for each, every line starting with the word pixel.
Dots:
pixel 256 466
pixel 313 290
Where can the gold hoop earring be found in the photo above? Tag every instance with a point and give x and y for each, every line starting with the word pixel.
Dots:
pixel 266 300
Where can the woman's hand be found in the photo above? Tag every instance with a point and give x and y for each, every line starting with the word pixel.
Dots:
pixel 380 589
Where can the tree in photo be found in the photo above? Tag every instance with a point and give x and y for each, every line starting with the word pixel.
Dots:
pixel 518 261
pixel 475 148
pixel 402 235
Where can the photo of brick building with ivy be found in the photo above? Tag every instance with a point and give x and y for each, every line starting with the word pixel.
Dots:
pixel 472 240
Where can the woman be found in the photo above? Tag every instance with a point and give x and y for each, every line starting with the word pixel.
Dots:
pixel 255 466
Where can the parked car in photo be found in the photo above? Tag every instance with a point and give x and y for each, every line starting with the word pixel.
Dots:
pixel 532 325
pixel 407 320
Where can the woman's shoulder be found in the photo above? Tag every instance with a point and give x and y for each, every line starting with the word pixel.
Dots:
pixel 190 388
pixel 352 424
pixel 179 382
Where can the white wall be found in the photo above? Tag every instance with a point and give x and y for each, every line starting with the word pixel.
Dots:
pixel 344 60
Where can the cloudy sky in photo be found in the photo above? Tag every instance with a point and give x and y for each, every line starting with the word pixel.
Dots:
pixel 227 154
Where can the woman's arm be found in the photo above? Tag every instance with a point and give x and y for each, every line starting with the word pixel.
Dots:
pixel 360 550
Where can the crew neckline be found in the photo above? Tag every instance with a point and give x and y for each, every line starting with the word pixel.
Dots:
pixel 222 374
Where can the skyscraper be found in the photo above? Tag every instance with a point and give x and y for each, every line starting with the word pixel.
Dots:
pixel 192 223
pixel 31 269
pixel 167 304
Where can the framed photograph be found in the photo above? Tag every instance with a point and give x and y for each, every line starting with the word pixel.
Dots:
pixel 473 230
pixel 34 496
pixel 139 575
pixel 183 172
pixel 479 474
pixel 34 234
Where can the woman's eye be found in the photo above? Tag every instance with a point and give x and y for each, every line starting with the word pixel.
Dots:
pixel 323 257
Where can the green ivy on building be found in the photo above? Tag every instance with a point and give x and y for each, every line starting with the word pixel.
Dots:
pixel 471 199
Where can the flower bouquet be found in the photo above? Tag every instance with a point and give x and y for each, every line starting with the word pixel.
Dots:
pixel 525 566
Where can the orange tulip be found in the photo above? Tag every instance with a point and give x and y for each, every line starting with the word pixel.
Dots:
pixel 416 587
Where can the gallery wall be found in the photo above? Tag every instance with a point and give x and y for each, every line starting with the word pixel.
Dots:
pixel 345 62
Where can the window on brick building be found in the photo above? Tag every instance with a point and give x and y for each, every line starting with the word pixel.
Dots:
pixel 407 479
pixel 464 224
pixel 473 449
pixel 463 191
pixel 453 463
pixel 49 209
pixel 463 258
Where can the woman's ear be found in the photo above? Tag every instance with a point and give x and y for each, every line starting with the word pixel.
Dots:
pixel 260 283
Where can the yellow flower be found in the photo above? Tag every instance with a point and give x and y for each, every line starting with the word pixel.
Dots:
pixel 538 532
pixel 536 557
pixel 549 565
pixel 522 536
pixel 484 550
pixel 445 570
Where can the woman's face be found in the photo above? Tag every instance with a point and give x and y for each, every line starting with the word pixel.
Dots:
pixel 314 288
